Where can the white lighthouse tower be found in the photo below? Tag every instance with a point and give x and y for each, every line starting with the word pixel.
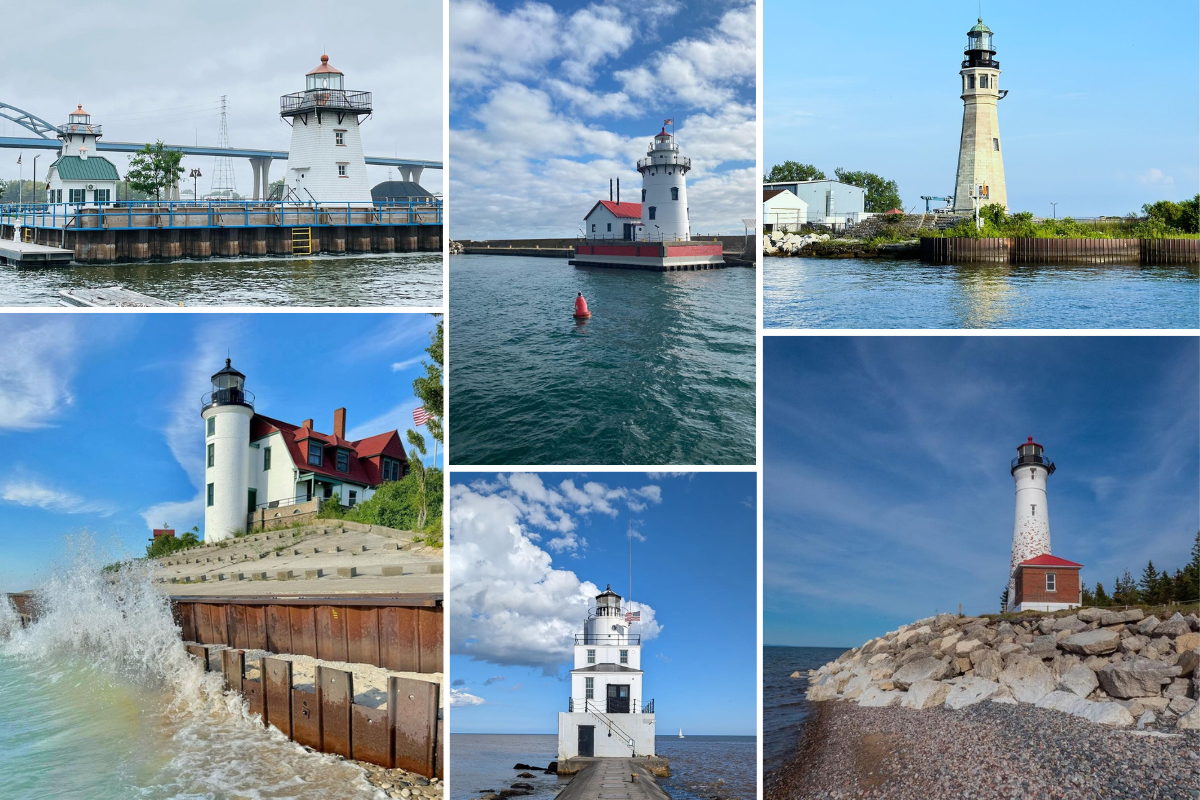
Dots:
pixel 325 161
pixel 80 174
pixel 980 159
pixel 1031 524
pixel 608 714
pixel 227 411
pixel 664 191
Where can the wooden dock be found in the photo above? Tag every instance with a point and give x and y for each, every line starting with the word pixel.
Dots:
pixel 28 254
pixel 110 297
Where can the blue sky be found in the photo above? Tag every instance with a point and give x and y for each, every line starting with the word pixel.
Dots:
pixel 529 552
pixel 1102 113
pixel 100 413
pixel 886 488
pixel 548 102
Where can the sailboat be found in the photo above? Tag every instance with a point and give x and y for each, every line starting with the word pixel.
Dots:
pixel 681 733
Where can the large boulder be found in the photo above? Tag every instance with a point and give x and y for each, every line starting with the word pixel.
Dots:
pixel 824 689
pixel 1101 713
pixel 1187 643
pixel 1090 614
pixel 965 647
pixel 1135 677
pixel 1118 617
pixel 1175 626
pixel 970 691
pixel 1091 643
pixel 856 686
pixel 1027 678
pixel 922 669
pixel 1072 623
pixel 987 664
pixel 1189 721
pixel 923 694
pixel 1131 644
pixel 1043 646
pixel 1188 662
pixel 1147 626
pixel 1078 680
pixel 874 697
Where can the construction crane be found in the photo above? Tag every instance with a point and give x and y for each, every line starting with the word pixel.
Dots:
pixel 947 200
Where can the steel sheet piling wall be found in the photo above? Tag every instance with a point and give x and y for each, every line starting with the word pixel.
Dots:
pixel 1060 252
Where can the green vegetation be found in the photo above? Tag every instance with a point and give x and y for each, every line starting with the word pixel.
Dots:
pixel 399 504
pixel 1153 588
pixel 882 195
pixel 1184 217
pixel 154 168
pixel 429 387
pixel 166 545
pixel 1164 220
pixel 793 171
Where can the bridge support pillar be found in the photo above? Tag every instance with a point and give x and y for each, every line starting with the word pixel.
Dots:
pixel 261 167
pixel 414 174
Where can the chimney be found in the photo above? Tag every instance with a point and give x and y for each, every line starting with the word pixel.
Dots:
pixel 610 195
pixel 618 191
pixel 339 423
pixel 306 424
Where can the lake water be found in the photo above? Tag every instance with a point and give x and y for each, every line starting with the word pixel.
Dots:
pixel 663 372
pixel 386 279
pixel 884 293
pixel 706 767
pixel 99 700
pixel 784 705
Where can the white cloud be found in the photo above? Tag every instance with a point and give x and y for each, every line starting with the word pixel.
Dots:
pixel 594 35
pixel 400 366
pixel 509 605
pixel 461 697
pixel 494 679
pixel 487 45
pixel 37 364
pixel 1155 177
pixel 33 492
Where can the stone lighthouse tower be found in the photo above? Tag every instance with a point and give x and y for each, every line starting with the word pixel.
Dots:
pixel 326 162
pixel 980 159
pixel 664 191
pixel 1031 524
pixel 227 411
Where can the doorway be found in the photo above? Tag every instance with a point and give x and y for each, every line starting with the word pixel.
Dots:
pixel 587 741
pixel 618 698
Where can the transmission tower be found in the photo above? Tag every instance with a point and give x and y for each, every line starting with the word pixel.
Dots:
pixel 222 184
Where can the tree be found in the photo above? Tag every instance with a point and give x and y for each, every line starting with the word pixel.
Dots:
pixel 1004 599
pixel 882 195
pixel 154 168
pixel 190 538
pixel 1183 216
pixel 1191 575
pixel 1148 584
pixel 1125 592
pixel 794 171
pixel 429 387
pixel 1099 596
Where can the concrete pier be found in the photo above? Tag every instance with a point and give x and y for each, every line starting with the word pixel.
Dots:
pixel 612 779
pixel 28 254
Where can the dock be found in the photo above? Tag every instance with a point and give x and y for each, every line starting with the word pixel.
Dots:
pixel 110 297
pixel 28 254
pixel 612 779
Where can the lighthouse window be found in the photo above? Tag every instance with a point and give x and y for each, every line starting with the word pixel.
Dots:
pixel 343 461
pixel 266 458
pixel 342 171
pixel 983 81
pixel 314 454
pixel 211 454
pixel 1050 587
pixel 674 192
pixel 591 656
pixel 643 195
pixel 339 138
pixel 212 425
pixel 996 144
pixel 589 688
pixel 610 226
pixel 652 210
pixel 970 81
pixel 593 227
pixel 210 493
pixel 624 656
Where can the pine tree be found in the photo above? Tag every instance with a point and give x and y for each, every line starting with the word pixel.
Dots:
pixel 1191 575
pixel 1101 596
pixel 1087 598
pixel 1148 584
pixel 1125 592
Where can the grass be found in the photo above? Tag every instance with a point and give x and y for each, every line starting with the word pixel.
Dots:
pixel 1162 612
pixel 999 225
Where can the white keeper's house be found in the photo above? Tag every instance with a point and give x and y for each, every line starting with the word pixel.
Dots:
pixel 612 220
pixel 256 462
pixel 608 714
pixel 80 174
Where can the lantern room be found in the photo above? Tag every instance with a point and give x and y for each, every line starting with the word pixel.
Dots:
pixel 979 49
pixel 324 76
pixel 229 388
pixel 1030 453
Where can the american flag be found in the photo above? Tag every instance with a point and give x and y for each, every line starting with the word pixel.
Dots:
pixel 20 157
pixel 633 616
pixel 420 416
pixel 668 122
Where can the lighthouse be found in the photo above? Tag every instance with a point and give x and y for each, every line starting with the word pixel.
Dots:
pixel 80 174
pixel 608 713
pixel 227 411
pixel 980 158
pixel 664 191
pixel 325 161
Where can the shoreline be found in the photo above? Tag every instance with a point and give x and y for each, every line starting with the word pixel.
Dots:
pixel 991 751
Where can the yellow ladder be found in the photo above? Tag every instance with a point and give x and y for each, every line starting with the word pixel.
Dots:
pixel 28 234
pixel 302 241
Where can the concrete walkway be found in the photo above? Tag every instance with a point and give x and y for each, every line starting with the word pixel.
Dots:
pixel 613 779
pixel 29 254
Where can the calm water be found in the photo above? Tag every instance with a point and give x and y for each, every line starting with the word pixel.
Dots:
pixel 387 279
pixel 701 766
pixel 99 701
pixel 881 293
pixel 784 706
pixel 663 372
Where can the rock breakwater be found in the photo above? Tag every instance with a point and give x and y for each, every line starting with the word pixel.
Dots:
pixel 1116 668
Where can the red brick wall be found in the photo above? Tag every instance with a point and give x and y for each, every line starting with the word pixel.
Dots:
pixel 1031 585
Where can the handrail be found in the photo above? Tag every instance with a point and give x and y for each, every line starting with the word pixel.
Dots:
pixel 325 100
pixel 677 161
pixel 235 397
pixel 648 708
pixel 609 639
pixel 595 712
pixel 1034 459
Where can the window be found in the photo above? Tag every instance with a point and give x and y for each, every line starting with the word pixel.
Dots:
pixel 76 195
pixel 392 470
pixel 342 171
pixel 589 688
pixel 983 81
pixel 315 454
pixel 643 195
pixel 591 656
pixel 104 195
pixel 210 494
pixel 353 497
pixel 610 226
pixel 339 138
pixel 212 425
pixel 652 210
pixel 266 458
pixel 674 192
pixel 996 144
pixel 970 81
pixel 1050 582
pixel 343 461
pixel 624 656
pixel 593 227
pixel 211 454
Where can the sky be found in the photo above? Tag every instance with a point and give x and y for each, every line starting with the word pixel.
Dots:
pixel 146 71
pixel 100 413
pixel 885 495
pixel 550 102
pixel 1102 113
pixel 527 555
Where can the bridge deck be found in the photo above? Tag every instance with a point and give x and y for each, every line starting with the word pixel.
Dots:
pixel 28 254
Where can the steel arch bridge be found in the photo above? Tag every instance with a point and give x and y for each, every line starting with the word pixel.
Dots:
pixel 27 120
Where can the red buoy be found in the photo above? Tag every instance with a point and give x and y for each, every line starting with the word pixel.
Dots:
pixel 581 309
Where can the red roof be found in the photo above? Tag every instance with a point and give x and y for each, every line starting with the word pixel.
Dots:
pixel 364 453
pixel 626 210
pixel 325 67
pixel 893 211
pixel 1047 560
pixel 1030 442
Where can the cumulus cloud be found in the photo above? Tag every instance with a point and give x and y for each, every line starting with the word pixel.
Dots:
pixel 509 604
pixel 461 697
pixel 33 492
pixel 1155 177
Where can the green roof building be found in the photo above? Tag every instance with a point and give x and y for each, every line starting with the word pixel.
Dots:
pixel 80 175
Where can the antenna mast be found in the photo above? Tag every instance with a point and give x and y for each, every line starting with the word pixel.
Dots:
pixel 222 184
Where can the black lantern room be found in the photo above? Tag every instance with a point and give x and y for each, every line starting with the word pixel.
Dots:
pixel 229 389
pixel 979 47
pixel 608 603
pixel 1030 454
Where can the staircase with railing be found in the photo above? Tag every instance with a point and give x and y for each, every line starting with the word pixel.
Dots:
pixel 589 706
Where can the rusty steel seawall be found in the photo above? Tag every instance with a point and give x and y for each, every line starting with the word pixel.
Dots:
pixel 1060 251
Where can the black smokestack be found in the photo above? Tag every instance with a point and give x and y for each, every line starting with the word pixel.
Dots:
pixel 610 190
pixel 618 190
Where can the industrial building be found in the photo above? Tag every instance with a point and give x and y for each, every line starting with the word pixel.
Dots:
pixel 829 202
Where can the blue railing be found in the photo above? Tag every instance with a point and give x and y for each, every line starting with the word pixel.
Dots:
pixel 156 215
